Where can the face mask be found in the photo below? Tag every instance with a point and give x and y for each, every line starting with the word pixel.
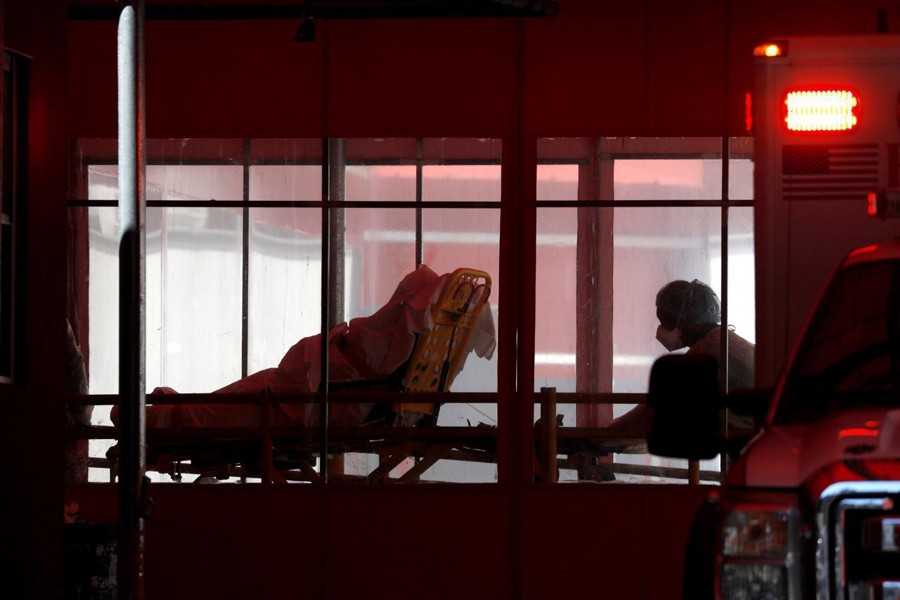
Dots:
pixel 669 338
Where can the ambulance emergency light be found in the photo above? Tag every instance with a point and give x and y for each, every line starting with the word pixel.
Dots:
pixel 821 110
pixel 813 109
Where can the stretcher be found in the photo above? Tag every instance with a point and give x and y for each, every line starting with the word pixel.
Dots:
pixel 404 454
pixel 384 411
pixel 392 371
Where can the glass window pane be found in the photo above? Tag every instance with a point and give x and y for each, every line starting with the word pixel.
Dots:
pixel 470 238
pixel 172 182
pixel 454 238
pixel 103 182
pixel 741 273
pixel 740 168
pixel 194 182
pixel 103 244
pixel 380 183
pixel 454 183
pixel 740 179
pixel 194 295
pixel 557 182
pixel 554 327
pixel 284 303
pixel 188 151
pixel 668 179
pixel 286 182
pixel 380 251
pixel 654 246
pixel 193 299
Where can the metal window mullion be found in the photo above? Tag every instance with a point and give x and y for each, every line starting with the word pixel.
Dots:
pixel 675 203
pixel 245 262
pixel 723 351
pixel 462 204
pixel 325 307
pixel 420 150
pixel 338 226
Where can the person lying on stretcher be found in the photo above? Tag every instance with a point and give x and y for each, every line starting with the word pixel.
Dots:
pixel 365 349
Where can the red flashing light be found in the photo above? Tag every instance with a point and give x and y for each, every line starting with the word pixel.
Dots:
pixel 748 112
pixel 821 110
pixel 872 204
pixel 884 204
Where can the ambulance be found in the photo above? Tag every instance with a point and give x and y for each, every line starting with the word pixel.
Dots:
pixel 810 506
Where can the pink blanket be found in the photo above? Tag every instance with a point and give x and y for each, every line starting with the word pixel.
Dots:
pixel 366 348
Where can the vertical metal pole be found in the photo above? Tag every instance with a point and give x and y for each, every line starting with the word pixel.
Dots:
pixel 131 490
pixel 336 193
pixel 337 167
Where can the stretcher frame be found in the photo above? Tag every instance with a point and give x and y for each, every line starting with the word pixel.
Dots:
pixel 283 455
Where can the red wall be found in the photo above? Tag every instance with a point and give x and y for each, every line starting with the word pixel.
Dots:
pixel 32 427
pixel 409 542
pixel 597 68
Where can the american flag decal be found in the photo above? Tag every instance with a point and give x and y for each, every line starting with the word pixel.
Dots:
pixel 839 172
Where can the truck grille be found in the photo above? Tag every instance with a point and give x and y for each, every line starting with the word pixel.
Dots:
pixel 858 553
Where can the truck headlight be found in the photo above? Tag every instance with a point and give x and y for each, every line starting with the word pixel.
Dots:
pixel 756 532
pixel 749 581
pixel 757 548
